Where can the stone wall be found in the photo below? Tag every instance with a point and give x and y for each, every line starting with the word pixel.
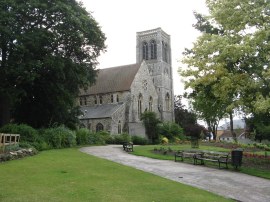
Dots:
pixel 92 123
pixel 114 97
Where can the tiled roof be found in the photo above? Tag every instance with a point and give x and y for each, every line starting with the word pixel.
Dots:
pixel 99 111
pixel 227 133
pixel 113 79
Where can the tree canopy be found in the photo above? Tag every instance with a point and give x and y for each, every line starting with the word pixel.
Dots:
pixel 229 63
pixel 183 116
pixel 48 51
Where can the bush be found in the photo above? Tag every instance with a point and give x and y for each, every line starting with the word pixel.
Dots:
pixel 24 145
pixel 164 140
pixel 171 131
pixel 139 140
pixel 82 136
pixel 120 139
pixel 27 133
pixel 104 136
pixel 99 138
pixel 59 137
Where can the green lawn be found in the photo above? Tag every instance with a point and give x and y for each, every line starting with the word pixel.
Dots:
pixel 69 175
pixel 147 152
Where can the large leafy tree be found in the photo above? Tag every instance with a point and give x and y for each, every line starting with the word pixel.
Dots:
pixel 183 116
pixel 232 55
pixel 48 51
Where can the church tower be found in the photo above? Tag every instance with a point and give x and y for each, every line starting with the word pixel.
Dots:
pixel 154 47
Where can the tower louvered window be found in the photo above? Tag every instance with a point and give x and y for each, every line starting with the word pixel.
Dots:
pixel 145 51
pixel 153 47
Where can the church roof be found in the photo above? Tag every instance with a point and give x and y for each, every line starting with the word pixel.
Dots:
pixel 113 79
pixel 99 111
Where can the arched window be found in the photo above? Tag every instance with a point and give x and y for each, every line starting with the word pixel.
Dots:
pixel 153 47
pixel 140 105
pixel 145 51
pixel 95 100
pixel 119 127
pixel 111 98
pixel 167 101
pixel 99 127
pixel 150 104
pixel 81 101
pixel 85 101
pixel 117 98
pixel 100 99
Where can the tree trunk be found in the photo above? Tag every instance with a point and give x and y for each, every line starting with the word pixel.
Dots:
pixel 214 132
pixel 231 127
pixel 4 110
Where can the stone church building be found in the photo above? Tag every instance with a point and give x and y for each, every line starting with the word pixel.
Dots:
pixel 121 94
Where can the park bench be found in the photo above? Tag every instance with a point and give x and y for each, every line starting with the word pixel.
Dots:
pixel 186 154
pixel 7 140
pixel 218 157
pixel 128 146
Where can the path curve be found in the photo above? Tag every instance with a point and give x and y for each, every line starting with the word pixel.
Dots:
pixel 229 184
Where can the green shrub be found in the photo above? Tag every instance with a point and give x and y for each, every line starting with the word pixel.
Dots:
pixel 9 148
pixel 164 140
pixel 82 136
pixel 120 139
pixel 97 138
pixel 104 135
pixel 59 137
pixel 139 140
pixel 171 131
pixel 27 133
pixel 25 145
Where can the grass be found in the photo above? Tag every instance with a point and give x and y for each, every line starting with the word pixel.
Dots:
pixel 69 175
pixel 147 152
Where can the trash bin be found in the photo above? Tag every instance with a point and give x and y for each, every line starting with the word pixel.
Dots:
pixel 237 155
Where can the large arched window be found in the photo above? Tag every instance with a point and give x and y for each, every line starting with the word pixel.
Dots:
pixel 140 105
pixel 99 127
pixel 150 104
pixel 167 101
pixel 145 51
pixel 119 127
pixel 153 48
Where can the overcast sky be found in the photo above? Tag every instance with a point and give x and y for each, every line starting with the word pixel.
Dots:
pixel 121 19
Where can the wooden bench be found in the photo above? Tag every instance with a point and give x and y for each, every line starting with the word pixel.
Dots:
pixel 219 157
pixel 8 139
pixel 186 154
pixel 128 146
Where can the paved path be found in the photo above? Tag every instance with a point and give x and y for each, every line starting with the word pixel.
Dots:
pixel 238 186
